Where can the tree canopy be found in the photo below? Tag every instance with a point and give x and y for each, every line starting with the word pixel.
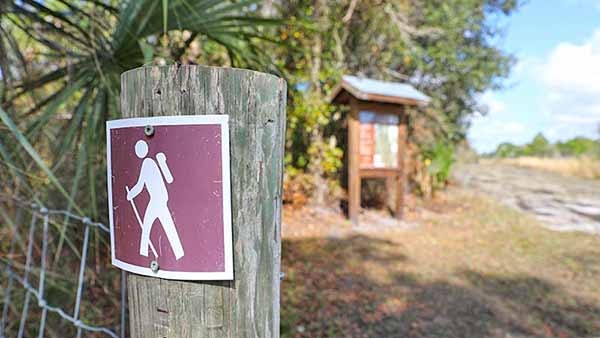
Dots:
pixel 447 49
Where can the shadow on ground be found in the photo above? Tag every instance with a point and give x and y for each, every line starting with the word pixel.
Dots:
pixel 359 287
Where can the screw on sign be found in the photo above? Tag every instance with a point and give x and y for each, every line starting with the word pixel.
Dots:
pixel 169 198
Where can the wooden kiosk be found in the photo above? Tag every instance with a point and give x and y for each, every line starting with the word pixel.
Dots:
pixel 377 133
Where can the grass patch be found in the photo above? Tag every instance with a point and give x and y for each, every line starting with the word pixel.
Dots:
pixel 583 166
pixel 471 269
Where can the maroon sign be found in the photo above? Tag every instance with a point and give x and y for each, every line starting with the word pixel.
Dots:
pixel 169 198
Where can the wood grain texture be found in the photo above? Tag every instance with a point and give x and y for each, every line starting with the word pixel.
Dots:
pixel 255 103
pixel 379 107
pixel 378 172
pixel 353 162
pixel 401 178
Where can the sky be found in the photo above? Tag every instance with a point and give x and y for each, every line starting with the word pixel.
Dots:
pixel 554 87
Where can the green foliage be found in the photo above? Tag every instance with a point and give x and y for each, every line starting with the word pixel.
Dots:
pixel 308 119
pixel 445 48
pixel 459 61
pixel 579 146
pixel 61 80
pixel 439 159
pixel 541 147
pixel 506 150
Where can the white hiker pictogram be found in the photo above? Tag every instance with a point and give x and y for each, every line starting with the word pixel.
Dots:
pixel 153 176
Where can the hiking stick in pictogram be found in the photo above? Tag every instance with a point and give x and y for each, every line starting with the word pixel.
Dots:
pixel 137 216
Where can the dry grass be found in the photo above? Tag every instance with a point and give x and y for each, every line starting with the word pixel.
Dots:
pixel 585 167
pixel 471 269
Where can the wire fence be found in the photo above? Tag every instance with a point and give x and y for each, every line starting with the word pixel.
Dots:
pixel 62 287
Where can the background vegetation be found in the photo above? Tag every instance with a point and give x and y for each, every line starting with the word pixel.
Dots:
pixel 444 48
pixel 541 147
pixel 579 156
pixel 61 60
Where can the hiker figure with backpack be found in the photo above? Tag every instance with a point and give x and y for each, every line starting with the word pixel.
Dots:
pixel 153 175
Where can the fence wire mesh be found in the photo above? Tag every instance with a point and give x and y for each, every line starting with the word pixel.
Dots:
pixel 50 290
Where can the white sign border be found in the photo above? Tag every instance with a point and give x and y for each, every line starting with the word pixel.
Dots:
pixel 223 121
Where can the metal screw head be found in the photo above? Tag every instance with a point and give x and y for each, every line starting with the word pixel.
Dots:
pixel 154 266
pixel 149 130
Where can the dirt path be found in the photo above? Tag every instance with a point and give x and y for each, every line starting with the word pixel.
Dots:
pixel 561 203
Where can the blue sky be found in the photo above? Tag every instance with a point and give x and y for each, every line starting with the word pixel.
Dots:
pixel 554 87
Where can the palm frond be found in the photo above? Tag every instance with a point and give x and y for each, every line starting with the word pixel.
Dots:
pixel 22 140
pixel 72 82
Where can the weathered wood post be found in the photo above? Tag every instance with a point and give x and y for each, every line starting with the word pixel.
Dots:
pixel 353 164
pixel 248 306
pixel 401 176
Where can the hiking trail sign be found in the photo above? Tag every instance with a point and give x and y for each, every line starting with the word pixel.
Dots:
pixel 169 196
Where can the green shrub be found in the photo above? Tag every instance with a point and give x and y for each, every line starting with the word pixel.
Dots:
pixel 438 160
pixel 541 147
pixel 579 146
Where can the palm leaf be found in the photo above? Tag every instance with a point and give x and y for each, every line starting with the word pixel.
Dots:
pixel 35 156
pixel 87 59
pixel 72 131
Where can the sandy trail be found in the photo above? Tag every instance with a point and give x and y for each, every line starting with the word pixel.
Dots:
pixel 561 203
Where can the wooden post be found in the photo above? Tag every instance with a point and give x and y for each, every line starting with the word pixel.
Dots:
pixel 353 163
pixel 255 103
pixel 401 177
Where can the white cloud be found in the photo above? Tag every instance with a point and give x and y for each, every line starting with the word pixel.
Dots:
pixel 526 67
pixel 490 104
pixel 571 78
pixel 574 68
pixel 486 133
pixel 489 129
pixel 557 94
